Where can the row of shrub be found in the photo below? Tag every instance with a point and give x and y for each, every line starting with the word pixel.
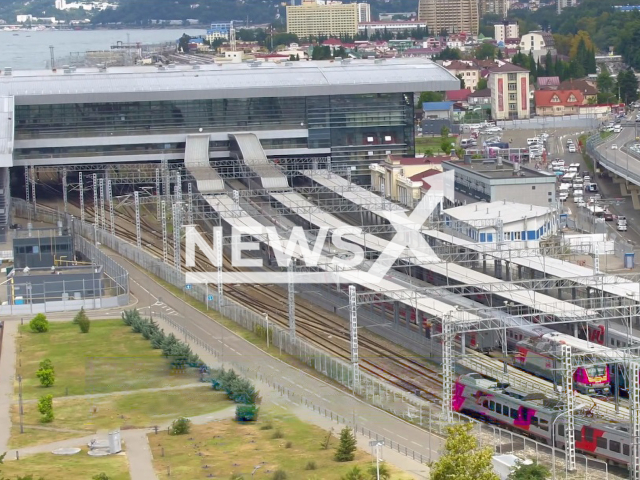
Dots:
pixel 171 346
pixel 238 389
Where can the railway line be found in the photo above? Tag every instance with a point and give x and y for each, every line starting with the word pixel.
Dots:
pixel 325 329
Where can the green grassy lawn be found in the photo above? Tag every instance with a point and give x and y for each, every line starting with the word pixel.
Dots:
pixel 229 448
pixel 135 410
pixel 431 143
pixel 61 467
pixel 109 358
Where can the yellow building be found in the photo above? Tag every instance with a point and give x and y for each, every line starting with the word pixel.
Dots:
pixel 509 86
pixel 454 16
pixel 311 19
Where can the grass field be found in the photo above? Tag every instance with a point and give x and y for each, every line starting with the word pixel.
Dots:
pixel 431 143
pixel 229 448
pixel 134 410
pixel 61 467
pixel 109 358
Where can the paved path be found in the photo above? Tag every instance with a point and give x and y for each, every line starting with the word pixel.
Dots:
pixel 127 392
pixel 7 373
pixel 139 455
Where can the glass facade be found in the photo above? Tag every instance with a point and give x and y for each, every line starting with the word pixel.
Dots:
pixel 358 129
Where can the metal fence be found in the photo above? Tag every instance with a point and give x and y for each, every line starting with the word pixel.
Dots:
pixel 585 121
pixel 373 390
pixel 111 287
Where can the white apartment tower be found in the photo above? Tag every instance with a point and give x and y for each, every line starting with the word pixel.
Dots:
pixel 505 30
pixel 562 4
pixel 454 16
pixel 364 13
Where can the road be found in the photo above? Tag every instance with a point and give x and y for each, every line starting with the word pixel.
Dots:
pixel 152 295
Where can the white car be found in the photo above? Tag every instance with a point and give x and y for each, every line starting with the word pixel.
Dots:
pixel 622 227
pixel 581 203
pixel 572 148
pixel 614 147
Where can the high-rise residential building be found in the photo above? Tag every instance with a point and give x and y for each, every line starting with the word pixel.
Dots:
pixel 505 30
pixel 496 7
pixel 509 86
pixel 562 4
pixel 364 13
pixel 454 16
pixel 312 19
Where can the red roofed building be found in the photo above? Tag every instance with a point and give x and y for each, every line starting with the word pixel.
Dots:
pixel 558 102
pixel 458 95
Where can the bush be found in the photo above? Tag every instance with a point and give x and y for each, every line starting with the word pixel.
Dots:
pixel 247 413
pixel 101 476
pixel 277 434
pixel 84 324
pixel 279 475
pixel 347 446
pixel 79 316
pixel 46 373
pixel 45 407
pixel 385 473
pixel 181 426
pixel 289 444
pixel 311 465
pixel 266 426
pixel 39 323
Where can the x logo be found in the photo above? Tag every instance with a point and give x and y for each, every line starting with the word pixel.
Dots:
pixel 408 228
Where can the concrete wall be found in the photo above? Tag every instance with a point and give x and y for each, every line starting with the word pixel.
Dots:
pixel 543 194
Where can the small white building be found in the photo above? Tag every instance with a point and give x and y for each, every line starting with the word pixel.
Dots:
pixel 522 225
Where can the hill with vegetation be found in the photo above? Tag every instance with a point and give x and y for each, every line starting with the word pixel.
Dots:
pixel 605 26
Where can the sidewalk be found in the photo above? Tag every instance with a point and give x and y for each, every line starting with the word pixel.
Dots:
pixel 7 375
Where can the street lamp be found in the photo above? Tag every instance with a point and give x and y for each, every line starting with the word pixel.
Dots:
pixel 377 444
pixel 553 443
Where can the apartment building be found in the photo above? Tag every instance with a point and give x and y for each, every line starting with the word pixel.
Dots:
pixel 504 31
pixel 312 19
pixel 454 16
pixel 468 71
pixel 509 86
pixel 364 12
pixel 562 4
pixel 496 7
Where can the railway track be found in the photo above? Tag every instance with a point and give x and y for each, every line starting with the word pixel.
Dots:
pixel 322 328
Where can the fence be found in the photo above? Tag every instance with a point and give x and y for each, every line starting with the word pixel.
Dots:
pixel 109 289
pixel 374 391
pixel 585 121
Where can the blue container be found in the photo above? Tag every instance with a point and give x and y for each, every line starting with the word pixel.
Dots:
pixel 629 260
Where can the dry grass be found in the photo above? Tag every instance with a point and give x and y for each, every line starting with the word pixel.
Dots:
pixel 227 448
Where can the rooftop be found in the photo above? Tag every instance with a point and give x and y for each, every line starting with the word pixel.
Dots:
pixel 400 160
pixel 485 92
pixel 508 211
pixel 33 272
pixel 507 68
pixel 489 168
pixel 436 106
pixel 551 98
pixel 242 80
pixel 458 95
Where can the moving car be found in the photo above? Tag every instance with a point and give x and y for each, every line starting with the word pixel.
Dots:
pixel 608 216
pixel 617 129
pixel 572 148
pixel 581 202
pixel 614 147
pixel 622 227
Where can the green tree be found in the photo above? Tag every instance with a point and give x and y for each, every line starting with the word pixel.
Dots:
pixel 181 426
pixel 79 316
pixel 385 473
pixel 486 51
pixel 461 78
pixel 549 67
pixel 483 83
pixel 45 407
pixel 39 323
pixel 356 474
pixel 345 452
pixel 628 86
pixel 462 459
pixel 183 43
pixel 444 131
pixel 532 471
pixel 426 97
pixel 84 324
pixel 46 373
pixel 450 54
